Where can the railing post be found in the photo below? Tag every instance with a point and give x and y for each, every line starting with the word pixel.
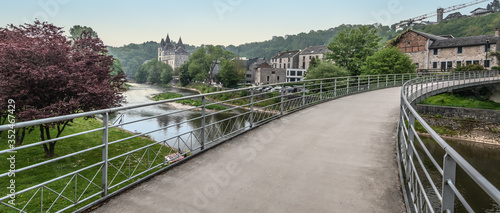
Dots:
pixel 359 82
pixel 386 80
pixel 252 93
pixel 454 79
pixel 203 100
pixel 282 98
pixel 411 138
pixel 335 89
pixel 348 82
pixel 104 184
pixel 378 81
pixel 368 82
pixel 395 80
pixel 304 94
pixel 321 90
pixel 449 172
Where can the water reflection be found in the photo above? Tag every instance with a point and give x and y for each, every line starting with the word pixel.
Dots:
pixel 484 157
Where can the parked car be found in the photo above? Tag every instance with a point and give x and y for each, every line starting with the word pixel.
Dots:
pixel 276 89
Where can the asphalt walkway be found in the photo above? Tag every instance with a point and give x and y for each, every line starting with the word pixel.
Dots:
pixel 338 156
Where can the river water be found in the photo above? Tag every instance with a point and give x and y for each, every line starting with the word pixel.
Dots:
pixel 179 122
pixel 484 157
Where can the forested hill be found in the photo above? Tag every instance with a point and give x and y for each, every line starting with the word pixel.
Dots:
pixel 466 26
pixel 133 55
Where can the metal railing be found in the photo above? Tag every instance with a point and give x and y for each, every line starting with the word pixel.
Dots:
pixel 420 167
pixel 79 177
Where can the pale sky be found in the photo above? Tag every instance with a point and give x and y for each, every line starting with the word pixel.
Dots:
pixel 224 22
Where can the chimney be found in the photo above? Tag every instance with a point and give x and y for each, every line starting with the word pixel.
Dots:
pixel 497 32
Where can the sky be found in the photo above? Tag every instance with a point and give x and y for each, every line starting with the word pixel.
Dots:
pixel 218 22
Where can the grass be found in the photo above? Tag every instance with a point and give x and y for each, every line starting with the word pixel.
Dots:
pixel 448 99
pixel 190 102
pixel 38 175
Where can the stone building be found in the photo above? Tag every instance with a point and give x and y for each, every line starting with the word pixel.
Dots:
pixel 172 55
pixel 252 65
pixel 266 74
pixel 445 52
pixel 308 53
pixel 286 59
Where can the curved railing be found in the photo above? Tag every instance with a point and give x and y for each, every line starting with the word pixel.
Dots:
pixel 79 177
pixel 420 168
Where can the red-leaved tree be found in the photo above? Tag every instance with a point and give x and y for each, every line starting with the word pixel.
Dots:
pixel 48 75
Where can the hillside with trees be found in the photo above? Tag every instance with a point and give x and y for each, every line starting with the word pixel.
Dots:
pixel 465 26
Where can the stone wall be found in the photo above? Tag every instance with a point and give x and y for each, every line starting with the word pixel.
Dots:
pixel 482 115
pixel 472 53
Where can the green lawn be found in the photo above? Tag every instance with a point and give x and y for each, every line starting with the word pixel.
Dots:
pixel 33 155
pixel 448 99
pixel 190 102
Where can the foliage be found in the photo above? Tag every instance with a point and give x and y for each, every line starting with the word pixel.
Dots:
pixel 166 96
pixel 231 73
pixel 325 69
pixel 495 6
pixel 190 102
pixel 48 75
pixel 389 60
pixel 77 30
pixel 134 55
pixel 154 72
pixel 352 46
pixel 465 26
pixel 470 67
pixel 202 62
pixel 448 99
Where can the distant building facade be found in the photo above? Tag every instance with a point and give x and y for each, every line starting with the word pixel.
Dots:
pixel 175 56
pixel 252 65
pixel 286 60
pixel 267 74
pixel 445 52
pixel 306 55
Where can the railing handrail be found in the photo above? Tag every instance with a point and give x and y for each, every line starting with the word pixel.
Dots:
pixel 407 92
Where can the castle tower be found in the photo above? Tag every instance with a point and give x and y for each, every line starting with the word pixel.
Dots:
pixel 440 13
pixel 172 55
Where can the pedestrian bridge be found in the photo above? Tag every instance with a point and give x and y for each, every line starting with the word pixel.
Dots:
pixel 312 147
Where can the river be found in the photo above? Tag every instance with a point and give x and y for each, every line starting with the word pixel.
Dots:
pixel 484 157
pixel 177 123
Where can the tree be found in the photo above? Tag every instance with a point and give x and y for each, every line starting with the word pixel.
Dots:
pixel 184 77
pixel 314 62
pixel 78 30
pixel 352 46
pixel 167 74
pixel 325 69
pixel 389 60
pixel 49 75
pixel 117 68
pixel 154 70
pixel 214 56
pixel 141 76
pixel 231 73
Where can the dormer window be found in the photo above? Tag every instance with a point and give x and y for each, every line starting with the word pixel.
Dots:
pixel 435 51
pixel 460 50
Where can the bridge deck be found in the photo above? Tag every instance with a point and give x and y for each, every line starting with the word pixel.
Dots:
pixel 334 157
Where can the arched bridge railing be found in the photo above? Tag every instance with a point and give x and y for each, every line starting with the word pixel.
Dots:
pixel 435 182
pixel 101 159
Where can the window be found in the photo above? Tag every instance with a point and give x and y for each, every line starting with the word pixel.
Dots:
pixel 292 79
pixel 249 76
pixel 434 65
pixel 468 62
pixel 450 65
pixel 416 65
pixel 299 73
pixel 292 73
pixel 409 44
pixel 273 72
pixel 435 51
pixel 486 63
pixel 304 58
pixel 303 65
pixel 487 48
pixel 278 78
pixel 317 57
pixel 267 78
pixel 460 50
pixel 459 63
pixel 475 62
pixel 280 60
pixel 287 73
